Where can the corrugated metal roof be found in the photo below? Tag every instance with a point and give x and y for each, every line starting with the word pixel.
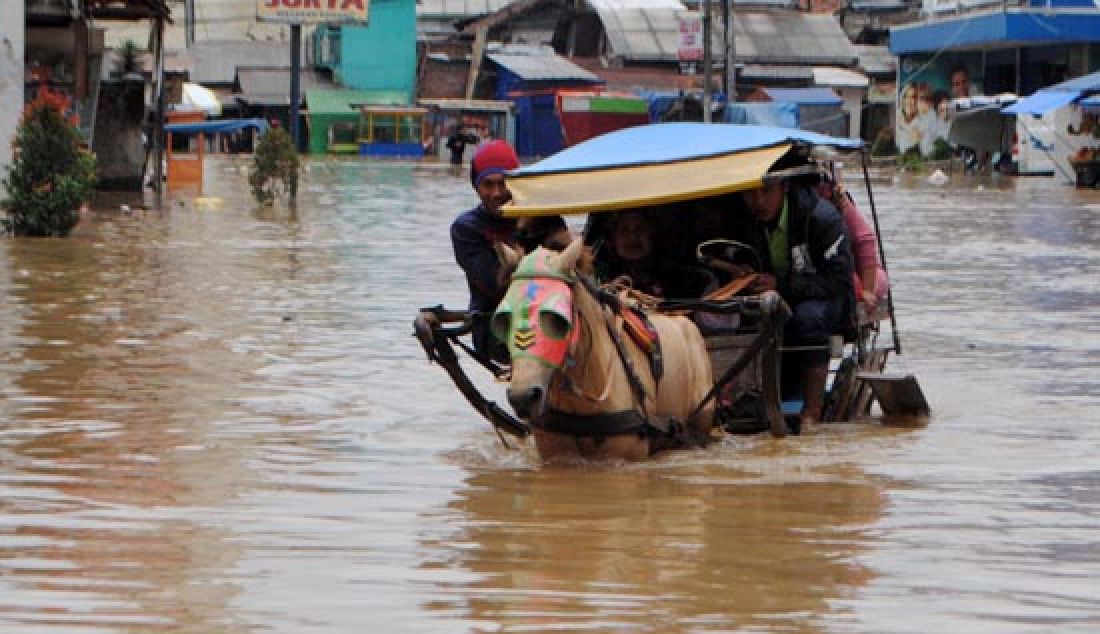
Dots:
pixel 876 60
pixel 765 72
pixel 618 5
pixel 789 37
pixel 646 33
pixel 457 8
pixel 839 77
pixel 217 62
pixel 641 78
pixel 878 5
pixel 272 85
pixel 322 101
pixel 532 63
pixel 451 103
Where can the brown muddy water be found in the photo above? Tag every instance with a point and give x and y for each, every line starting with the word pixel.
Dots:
pixel 214 419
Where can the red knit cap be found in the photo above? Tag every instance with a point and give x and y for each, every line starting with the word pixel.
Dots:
pixel 495 157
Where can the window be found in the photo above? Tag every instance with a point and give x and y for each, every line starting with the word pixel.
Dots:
pixel 342 133
pixel 391 127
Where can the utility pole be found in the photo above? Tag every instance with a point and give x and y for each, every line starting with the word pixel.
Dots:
pixel 189 22
pixel 731 54
pixel 708 61
pixel 295 80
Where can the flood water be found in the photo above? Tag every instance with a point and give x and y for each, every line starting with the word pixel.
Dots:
pixel 213 418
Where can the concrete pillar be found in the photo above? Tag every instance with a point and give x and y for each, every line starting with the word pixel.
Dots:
pixel 12 42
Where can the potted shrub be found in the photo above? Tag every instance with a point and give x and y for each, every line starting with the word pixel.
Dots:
pixel 52 174
pixel 128 63
pixel 274 168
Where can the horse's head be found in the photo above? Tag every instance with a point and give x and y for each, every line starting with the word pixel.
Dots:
pixel 537 320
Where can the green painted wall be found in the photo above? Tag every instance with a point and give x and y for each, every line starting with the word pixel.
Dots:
pixel 381 55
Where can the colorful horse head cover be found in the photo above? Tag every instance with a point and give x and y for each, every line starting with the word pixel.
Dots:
pixel 536 318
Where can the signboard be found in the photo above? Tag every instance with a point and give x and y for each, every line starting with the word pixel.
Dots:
pixel 312 11
pixel 690 41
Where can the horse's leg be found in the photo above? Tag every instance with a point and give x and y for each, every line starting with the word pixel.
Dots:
pixel 687 374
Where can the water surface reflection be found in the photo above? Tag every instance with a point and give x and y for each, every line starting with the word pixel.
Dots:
pixel 213 418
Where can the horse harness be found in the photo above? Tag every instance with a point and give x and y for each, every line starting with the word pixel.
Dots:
pixel 664 433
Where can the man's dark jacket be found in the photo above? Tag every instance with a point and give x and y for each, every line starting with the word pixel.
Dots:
pixel 472 236
pixel 814 224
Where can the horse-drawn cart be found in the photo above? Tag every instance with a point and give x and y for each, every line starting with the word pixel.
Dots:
pixel 667 165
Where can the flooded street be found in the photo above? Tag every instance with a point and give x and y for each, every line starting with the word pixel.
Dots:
pixel 214 418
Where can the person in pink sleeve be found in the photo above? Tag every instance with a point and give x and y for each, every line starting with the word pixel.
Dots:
pixel 869 279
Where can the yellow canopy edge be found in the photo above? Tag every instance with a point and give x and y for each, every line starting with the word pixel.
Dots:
pixel 638 186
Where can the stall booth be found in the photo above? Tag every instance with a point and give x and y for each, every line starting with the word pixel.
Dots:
pixel 483 118
pixel 186 143
pixel 391 131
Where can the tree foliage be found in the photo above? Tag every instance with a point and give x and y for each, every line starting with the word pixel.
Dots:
pixel 51 174
pixel 275 167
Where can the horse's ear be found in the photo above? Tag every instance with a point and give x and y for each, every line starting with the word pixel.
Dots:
pixel 567 261
pixel 509 259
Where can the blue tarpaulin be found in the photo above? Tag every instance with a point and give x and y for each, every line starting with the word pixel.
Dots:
pixel 816 96
pixel 218 126
pixel 1042 102
pixel 1090 104
pixel 780 114
pixel 1056 96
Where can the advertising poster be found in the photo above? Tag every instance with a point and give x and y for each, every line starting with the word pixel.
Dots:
pixel 925 90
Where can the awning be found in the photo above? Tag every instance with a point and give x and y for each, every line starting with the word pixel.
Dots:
pixel 197 97
pixel 816 96
pixel 211 127
pixel 655 164
pixel 1042 102
pixel 1090 104
pixel 630 187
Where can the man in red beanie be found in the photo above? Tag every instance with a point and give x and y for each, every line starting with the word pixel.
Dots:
pixel 474 233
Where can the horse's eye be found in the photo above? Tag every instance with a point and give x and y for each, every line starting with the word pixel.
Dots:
pixel 501 324
pixel 554 324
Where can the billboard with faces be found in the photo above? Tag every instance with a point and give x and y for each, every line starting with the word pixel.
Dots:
pixel 926 86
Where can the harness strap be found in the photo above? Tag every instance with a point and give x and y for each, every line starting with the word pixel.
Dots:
pixel 608 424
pixel 590 425
pixel 631 319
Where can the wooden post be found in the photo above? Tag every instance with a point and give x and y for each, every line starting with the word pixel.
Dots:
pixel 476 54
pixel 708 61
pixel 158 111
pixel 295 82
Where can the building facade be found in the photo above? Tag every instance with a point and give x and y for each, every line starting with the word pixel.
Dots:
pixel 967 48
pixel 378 56
pixel 12 45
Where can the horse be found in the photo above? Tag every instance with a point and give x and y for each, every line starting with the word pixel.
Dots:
pixel 589 392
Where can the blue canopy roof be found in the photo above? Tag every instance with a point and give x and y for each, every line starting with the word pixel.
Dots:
pixel 815 96
pixel 660 143
pixel 220 125
pixel 1084 83
pixel 1056 96
pixel 1042 102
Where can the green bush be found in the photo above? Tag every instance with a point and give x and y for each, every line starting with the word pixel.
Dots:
pixel 51 174
pixel 884 146
pixel 911 160
pixel 274 168
pixel 941 150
